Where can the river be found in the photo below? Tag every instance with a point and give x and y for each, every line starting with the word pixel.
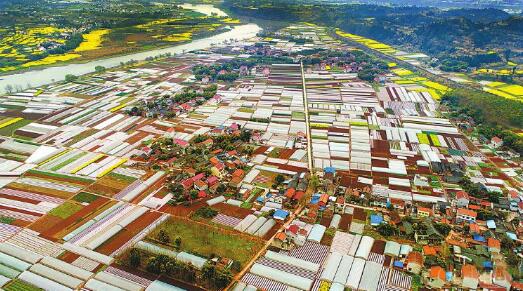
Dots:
pixel 39 77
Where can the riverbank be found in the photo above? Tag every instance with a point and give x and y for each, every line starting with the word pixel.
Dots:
pixel 35 78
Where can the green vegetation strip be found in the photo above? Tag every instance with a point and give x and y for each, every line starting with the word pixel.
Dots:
pixel 19 285
pixel 9 130
pixel 206 240
pixel 85 197
pixel 68 161
pixel 65 210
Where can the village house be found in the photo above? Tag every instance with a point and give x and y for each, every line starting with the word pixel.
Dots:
pixel 424 212
pixel 466 215
pixel 218 170
pixel 496 142
pixel 436 277
pixel 290 193
pixel 470 276
pixel 212 180
pixel 501 277
pixel 340 205
pixel 462 199
pixel 414 262
pixel 494 245
pixel 281 241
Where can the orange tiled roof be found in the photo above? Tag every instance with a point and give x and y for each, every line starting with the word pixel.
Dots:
pixel 429 251
pixel 469 271
pixel 467 212
pixel 493 243
pixel 437 272
pixel 462 194
pixel 281 236
pixel 415 257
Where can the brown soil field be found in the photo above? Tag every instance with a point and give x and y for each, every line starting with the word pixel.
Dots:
pixel 149 190
pixel 128 233
pixel 107 186
pixel 232 210
pixel 182 211
pixel 20 210
pixel 345 221
pixel 69 257
pixel 44 223
pixel 58 230
pixel 273 231
pixel 22 199
pixel 20 223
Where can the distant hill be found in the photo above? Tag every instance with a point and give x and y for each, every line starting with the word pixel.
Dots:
pixel 499 4
pixel 470 36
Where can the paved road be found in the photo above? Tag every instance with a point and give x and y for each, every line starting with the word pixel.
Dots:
pixel 307 122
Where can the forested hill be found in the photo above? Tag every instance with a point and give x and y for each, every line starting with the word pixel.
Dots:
pixel 441 33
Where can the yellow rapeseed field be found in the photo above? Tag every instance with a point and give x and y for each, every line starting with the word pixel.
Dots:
pixel 51 60
pixel 185 36
pixel 499 93
pixel 516 90
pixel 402 72
pixel 229 20
pixel 436 86
pixel 92 40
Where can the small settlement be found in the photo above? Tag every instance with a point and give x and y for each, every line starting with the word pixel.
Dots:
pixel 268 164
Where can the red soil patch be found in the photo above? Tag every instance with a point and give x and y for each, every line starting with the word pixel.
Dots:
pixel 182 211
pixel 232 210
pixel 74 219
pixel 128 233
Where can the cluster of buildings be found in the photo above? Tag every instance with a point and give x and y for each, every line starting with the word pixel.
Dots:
pixel 355 185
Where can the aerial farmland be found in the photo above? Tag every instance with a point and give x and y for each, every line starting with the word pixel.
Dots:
pixel 271 163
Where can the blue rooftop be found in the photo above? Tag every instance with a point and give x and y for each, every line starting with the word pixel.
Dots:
pixel 479 238
pixel 491 224
pixel 280 214
pixel 448 276
pixel 331 170
pixel 376 219
pixel 398 264
pixel 315 199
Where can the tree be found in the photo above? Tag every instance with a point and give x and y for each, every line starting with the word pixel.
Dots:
pixel 236 266
pixel 176 190
pixel 99 69
pixel 222 279
pixel 368 74
pixel 9 88
pixel 206 212
pixel 70 78
pixel 163 237
pixel 386 229
pixel 221 189
pixel 160 265
pixel 193 193
pixel 178 242
pixel 506 242
pixel 134 258
pixel 314 182
pixel 443 228
pixel 245 135
pixel 208 272
pixel 279 179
